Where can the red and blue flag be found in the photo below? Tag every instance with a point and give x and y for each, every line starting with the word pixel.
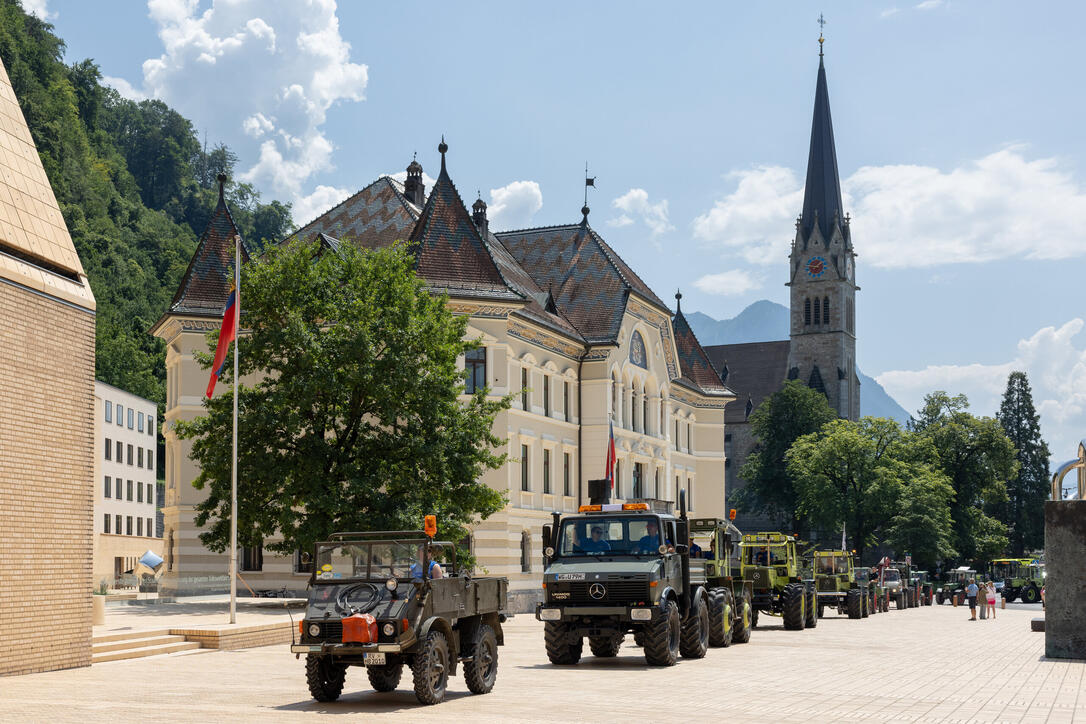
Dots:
pixel 227 334
pixel 611 454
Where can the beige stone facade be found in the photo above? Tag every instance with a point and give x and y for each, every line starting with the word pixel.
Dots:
pixel 46 428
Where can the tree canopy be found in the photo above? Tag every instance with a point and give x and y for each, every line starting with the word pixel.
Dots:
pixel 1027 491
pixel 354 419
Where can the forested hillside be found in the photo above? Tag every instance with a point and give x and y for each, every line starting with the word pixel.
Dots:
pixel 136 187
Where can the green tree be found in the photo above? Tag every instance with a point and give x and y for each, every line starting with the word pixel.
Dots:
pixel 783 417
pixel 921 524
pixel 1024 512
pixel 354 420
pixel 978 459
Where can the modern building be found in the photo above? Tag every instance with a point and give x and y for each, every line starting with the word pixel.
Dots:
pixel 125 501
pixel 567 327
pixel 821 348
pixel 46 424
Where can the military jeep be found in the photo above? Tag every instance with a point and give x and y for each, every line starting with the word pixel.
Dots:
pixel 717 566
pixel 618 568
pixel 375 601
pixel 770 562
pixel 836 586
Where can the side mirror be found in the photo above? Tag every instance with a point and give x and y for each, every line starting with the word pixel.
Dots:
pixel 547 533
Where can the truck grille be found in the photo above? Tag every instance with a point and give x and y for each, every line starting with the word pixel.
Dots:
pixel 331 630
pixel 827 584
pixel 615 592
pixel 760 578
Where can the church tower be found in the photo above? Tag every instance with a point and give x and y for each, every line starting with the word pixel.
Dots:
pixel 822 352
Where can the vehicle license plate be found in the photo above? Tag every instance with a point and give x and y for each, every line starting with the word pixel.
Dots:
pixel 373 659
pixel 569 577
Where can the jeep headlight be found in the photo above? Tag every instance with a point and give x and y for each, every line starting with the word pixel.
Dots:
pixel 550 614
pixel 548 552
pixel 314 630
pixel 391 584
pixel 388 629
pixel 641 614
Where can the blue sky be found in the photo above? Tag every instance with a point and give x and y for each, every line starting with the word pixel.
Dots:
pixel 957 127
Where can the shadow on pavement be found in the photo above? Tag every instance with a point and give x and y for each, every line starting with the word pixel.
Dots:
pixel 368 702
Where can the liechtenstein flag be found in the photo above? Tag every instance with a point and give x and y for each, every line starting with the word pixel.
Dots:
pixel 611 454
pixel 226 336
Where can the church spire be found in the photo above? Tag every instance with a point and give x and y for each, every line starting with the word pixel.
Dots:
pixel 822 193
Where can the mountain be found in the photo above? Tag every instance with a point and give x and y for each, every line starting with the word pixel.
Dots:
pixel 765 321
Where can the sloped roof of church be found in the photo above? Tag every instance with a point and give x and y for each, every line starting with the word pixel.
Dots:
pixel 375 216
pixel 589 281
pixel 822 191
pixel 755 371
pixel 697 369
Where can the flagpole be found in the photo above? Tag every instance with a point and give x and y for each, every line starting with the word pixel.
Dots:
pixel 234 454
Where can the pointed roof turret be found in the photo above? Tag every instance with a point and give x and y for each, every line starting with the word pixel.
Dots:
pixel 695 367
pixel 822 192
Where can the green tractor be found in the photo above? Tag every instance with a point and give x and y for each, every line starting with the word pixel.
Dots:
pixel 874 593
pixel 921 582
pixel 956 581
pixel 1018 578
pixel 716 566
pixel 770 562
pixel 836 586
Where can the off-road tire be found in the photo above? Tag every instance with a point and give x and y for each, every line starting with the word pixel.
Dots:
pixel 694 641
pixel 872 603
pixel 639 638
pixel 721 616
pixel 1009 596
pixel 811 614
pixel 387 677
pixel 560 650
pixel 324 677
pixel 939 598
pixel 899 600
pixel 605 647
pixel 662 636
pixel 821 609
pixel 864 612
pixel 481 672
pixel 853 603
pixel 430 669
pixel 754 619
pixel 1031 594
pixel 743 620
pixel 793 605
pixel 885 603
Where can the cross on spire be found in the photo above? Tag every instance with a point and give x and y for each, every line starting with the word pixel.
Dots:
pixel 821 25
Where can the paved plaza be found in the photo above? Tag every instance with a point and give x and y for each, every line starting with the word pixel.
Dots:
pixel 923 664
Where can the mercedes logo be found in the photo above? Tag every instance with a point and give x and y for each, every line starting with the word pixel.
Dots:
pixel 597 591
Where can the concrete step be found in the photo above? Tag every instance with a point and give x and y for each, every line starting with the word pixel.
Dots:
pixel 129 635
pixel 139 643
pixel 144 651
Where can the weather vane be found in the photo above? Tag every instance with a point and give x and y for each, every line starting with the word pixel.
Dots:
pixel 821 25
pixel 588 181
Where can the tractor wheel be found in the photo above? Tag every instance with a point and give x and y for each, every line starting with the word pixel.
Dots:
pixel 324 676
pixel 694 641
pixel 560 649
pixel 864 612
pixel 899 600
pixel 793 606
pixel 1009 594
pixel 1030 594
pixel 721 613
pixel 662 637
pixel 853 603
pixel 605 647
pixel 639 638
pixel 387 677
pixel 743 622
pixel 886 603
pixel 821 609
pixel 481 672
pixel 431 669
pixel 873 602
pixel 754 619
pixel 811 619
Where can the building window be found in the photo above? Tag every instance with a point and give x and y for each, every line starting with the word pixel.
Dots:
pixel 825 310
pixel 638 472
pixel 614 396
pixel 676 434
pixel 109 450
pixel 139 492
pixel 150 530
pixel 139 421
pixel 656 484
pixel 566 481
pixel 129 454
pixel 139 457
pixel 150 426
pixel 817 310
pixel 105 523
pixel 107 487
pixel 525 484
pixel 150 459
pixel 546 471
pixel 689 493
pixel 131 418
pixel 475 364
pixel 139 527
pixel 120 414
pixel 524 388
pixel 252 558
pixel 129 487
pixel 525 552
pixel 117 527
pixel 546 395
pixel 806 311
pixel 727 437
pixel 618 479
pixel 688 448
pixel 128 525
pixel 150 494
pixel 663 427
pixel 565 400
pixel 645 414
pixel 109 411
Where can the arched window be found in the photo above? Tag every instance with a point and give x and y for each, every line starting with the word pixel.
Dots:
pixel 525 552
pixel 807 311
pixel 826 310
pixel 817 311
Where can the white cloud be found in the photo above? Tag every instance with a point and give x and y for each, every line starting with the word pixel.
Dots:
pixel 889 12
pixel 733 282
pixel 634 206
pixel 38 9
pixel 261 77
pixel 928 4
pixel 427 179
pixel 1056 367
pixel 513 205
pixel 997 207
pixel 307 208
pixel 126 89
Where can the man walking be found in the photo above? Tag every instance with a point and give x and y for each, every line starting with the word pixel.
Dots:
pixel 971 593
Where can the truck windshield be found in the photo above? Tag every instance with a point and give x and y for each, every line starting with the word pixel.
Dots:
pixel 762 554
pixel 378 560
pixel 830 565
pixel 1003 569
pixel 891 574
pixel 614 535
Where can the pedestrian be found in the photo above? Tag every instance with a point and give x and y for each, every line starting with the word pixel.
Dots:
pixel 971 593
pixel 991 598
pixel 982 600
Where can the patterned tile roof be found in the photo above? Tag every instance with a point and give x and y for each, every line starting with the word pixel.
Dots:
pixel 373 217
pixel 536 308
pixel 589 281
pixel 755 371
pixel 694 364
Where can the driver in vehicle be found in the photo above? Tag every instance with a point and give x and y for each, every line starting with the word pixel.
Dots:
pixel 416 567
pixel 650 542
pixel 595 544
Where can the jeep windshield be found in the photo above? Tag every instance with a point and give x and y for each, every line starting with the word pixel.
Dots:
pixel 763 554
pixel 603 535
pixel 891 575
pixel 831 565
pixel 367 560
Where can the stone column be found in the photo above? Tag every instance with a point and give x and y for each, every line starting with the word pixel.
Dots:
pixel 1065 579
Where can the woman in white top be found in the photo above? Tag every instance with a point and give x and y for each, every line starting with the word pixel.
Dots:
pixel 990 593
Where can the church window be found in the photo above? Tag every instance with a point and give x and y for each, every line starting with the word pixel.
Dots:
pixel 806 311
pixel 817 310
pixel 637 350
pixel 826 310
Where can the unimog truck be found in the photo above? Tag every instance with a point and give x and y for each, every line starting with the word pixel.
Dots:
pixel 1018 577
pixel 836 585
pixel 374 601
pixel 613 569
pixel 717 566
pixel 770 562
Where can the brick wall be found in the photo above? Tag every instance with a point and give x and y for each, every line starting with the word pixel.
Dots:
pixel 46 496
